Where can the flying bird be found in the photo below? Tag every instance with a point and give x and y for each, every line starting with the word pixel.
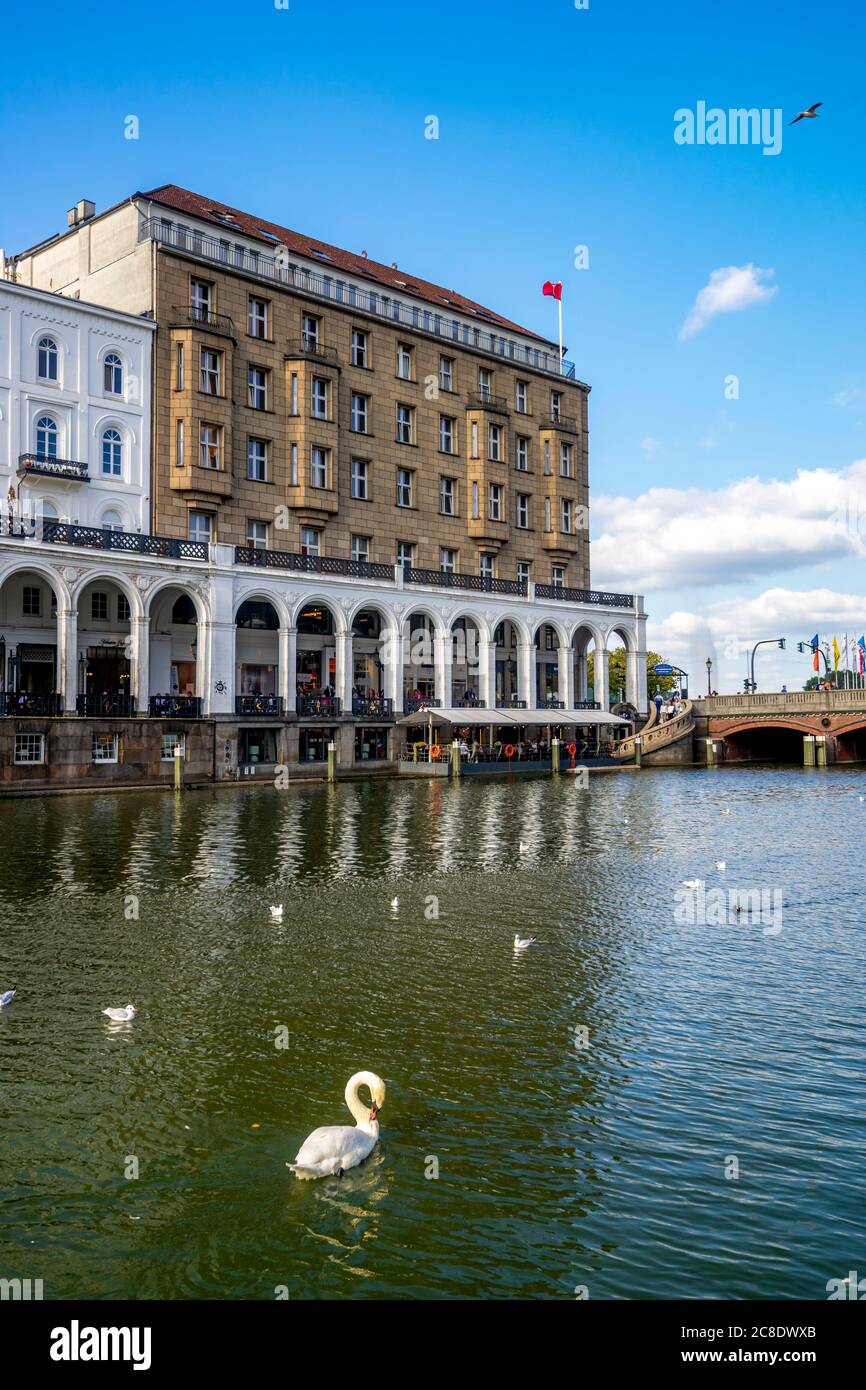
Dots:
pixel 6 998
pixel 121 1015
pixel 810 114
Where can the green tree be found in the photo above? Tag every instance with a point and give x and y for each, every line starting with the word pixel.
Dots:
pixel 616 673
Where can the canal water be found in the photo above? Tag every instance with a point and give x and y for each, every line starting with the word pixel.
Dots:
pixel 640 1106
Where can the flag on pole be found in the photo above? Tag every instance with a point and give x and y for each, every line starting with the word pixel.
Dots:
pixel 835 654
pixel 861 653
pixel 552 288
pixel 816 665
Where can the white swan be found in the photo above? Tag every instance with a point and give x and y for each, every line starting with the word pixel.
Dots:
pixel 277 913
pixel 522 942
pixel 121 1015
pixel 334 1148
pixel 6 998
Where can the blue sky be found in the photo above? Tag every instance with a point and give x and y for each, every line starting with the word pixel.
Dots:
pixel 556 131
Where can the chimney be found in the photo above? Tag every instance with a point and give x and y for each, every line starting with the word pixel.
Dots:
pixel 85 210
pixel 72 217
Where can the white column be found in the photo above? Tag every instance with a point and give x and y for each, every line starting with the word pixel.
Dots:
pixel 215 665
pixel 287 675
pixel 67 656
pixel 392 660
pixel 526 673
pixel 442 653
pixel 600 678
pixel 565 682
pixel 344 670
pixel 581 686
pixel 641 696
pixel 487 671
pixel 139 631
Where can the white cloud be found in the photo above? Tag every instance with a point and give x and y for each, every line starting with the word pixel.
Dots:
pixel 650 446
pixel 850 399
pixel 669 538
pixel 728 290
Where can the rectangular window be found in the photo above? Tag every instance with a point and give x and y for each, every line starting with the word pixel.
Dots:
pixel 123 609
pixel 360 479
pixel 170 742
pixel 359 348
pixel 522 511
pixel 488 568
pixel 178 444
pixel 447 496
pixel 474 436
pixel 474 501
pixel 557 575
pixel 200 300
pixel 523 569
pixel 29 748
pixel 210 372
pixel 359 413
pixel 257 460
pixel 566 516
pixel 257 385
pixel 405 554
pixel 293 395
pixel 210 446
pixel 522 453
pixel 446 373
pixel 318 467
pixel 547 458
pixel 311 541
pixel 200 526
pixel 555 404
pixel 257 534
pixel 547 514
pixel 404 362
pixel 404 424
pixel 257 318
pixel 446 434
pixel 485 383
pixel 31 604
pixel 99 606
pixel 521 397
pixel 319 398
pixel 404 487
pixel 179 367
pixel 565 460
pixel 310 332
pixel 494 496
pixel 293 466
pixel 494 442
pixel 103 748
pixel 361 550
pixel 448 561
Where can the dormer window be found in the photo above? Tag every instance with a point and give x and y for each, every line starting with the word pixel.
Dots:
pixel 47 360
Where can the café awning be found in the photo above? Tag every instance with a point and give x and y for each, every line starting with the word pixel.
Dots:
pixel 527 718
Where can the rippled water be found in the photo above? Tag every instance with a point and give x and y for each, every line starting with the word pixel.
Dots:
pixel 559 1165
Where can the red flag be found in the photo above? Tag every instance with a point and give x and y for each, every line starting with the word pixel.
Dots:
pixel 550 288
pixel 815 663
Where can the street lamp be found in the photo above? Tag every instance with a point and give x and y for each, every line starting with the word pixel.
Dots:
pixel 709 675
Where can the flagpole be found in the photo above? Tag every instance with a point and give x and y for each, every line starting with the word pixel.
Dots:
pixel 561 363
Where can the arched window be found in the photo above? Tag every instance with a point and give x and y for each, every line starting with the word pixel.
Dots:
pixel 112 521
pixel 112 453
pixel 113 375
pixel 46 437
pixel 47 359
pixel 48 511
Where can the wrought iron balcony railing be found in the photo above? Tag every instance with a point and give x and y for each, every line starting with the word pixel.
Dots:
pixel 72 470
pixel 259 704
pixel 511 702
pixel 103 538
pixel 478 583
pixel 585 704
pixel 485 400
pixel 381 302
pixel 551 704
pixel 177 706
pixel 372 707
pixel 309 347
pixel 411 704
pixel 559 422
pixel 319 706
pixel 23 705
pixel 193 316
pixel 118 705
pixel 311 564
pixel 557 591
pixel 470 702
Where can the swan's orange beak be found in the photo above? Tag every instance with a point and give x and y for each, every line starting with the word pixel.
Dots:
pixel 374 1112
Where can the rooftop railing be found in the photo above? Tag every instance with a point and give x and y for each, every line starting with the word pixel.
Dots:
pixel 478 583
pixel 604 600
pixel 382 303
pixel 310 564
pixel 104 538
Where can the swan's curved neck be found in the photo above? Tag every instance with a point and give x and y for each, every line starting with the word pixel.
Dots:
pixel 360 1111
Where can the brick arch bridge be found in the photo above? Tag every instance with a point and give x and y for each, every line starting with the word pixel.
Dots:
pixel 772 726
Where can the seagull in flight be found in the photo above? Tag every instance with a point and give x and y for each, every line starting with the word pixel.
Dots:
pixel 810 114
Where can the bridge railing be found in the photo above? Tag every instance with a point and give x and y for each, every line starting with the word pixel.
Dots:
pixel 775 700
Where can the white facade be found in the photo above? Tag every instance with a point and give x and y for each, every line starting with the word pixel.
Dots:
pixel 75 384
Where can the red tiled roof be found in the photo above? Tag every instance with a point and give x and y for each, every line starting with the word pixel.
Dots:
pixel 258 228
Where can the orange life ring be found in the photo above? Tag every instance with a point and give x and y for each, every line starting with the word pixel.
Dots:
pixel 509 750
pixel 435 750
pixel 572 748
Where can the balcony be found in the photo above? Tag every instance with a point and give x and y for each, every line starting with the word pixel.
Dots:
pixel 550 704
pixel 560 593
pixel 309 347
pixel 483 400
pixel 22 705
pixel 412 704
pixel 421 317
pixel 43 466
pixel 311 564
pixel 511 702
pixel 585 704
pixel 174 706
pixel 118 706
pixel 476 583
pixel 373 707
pixel 259 704
pixel 127 542
pixel 319 707
pixel 470 702
pixel 193 316
pixel 559 422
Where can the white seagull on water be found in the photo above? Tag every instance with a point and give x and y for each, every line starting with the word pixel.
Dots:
pixel 721 864
pixel 395 903
pixel 693 883
pixel 277 913
pixel 522 942
pixel 121 1015
pixel 6 998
